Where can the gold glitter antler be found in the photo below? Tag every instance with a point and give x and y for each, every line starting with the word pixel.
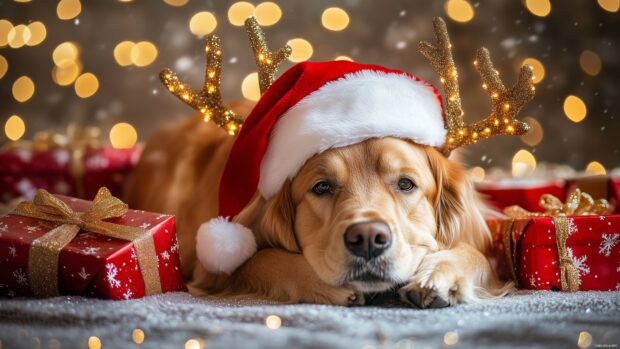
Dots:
pixel 209 100
pixel 267 62
pixel 505 103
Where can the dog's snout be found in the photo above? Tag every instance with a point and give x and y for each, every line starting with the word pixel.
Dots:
pixel 368 239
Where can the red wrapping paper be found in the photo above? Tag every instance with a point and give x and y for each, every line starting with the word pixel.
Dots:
pixel 25 170
pixel 91 264
pixel 593 244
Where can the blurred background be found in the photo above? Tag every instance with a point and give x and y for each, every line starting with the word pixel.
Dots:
pixel 97 63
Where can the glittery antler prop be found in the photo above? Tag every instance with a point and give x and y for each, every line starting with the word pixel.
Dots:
pixel 209 100
pixel 505 103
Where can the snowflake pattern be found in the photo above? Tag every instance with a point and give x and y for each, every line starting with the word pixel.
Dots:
pixel 572 227
pixel 83 274
pixel 127 294
pixel 25 155
pixel 62 157
pixel 12 251
pixel 111 275
pixel 533 282
pixel 20 277
pixel 165 255
pixel 175 247
pixel 145 225
pixel 90 250
pixel 608 243
pixel 4 227
pixel 32 228
pixel 578 262
pixel 97 161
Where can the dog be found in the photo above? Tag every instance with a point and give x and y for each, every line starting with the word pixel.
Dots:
pixel 383 214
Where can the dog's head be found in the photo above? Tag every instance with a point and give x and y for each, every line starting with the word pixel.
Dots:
pixel 366 214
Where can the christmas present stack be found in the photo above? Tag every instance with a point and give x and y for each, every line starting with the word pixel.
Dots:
pixel 73 162
pixel 554 236
pixel 57 245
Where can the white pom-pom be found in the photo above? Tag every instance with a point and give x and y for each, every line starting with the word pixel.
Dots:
pixel 222 246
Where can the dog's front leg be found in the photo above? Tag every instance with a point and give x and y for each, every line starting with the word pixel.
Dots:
pixel 461 274
pixel 284 276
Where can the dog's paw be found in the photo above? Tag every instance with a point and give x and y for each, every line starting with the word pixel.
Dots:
pixel 438 283
pixel 338 296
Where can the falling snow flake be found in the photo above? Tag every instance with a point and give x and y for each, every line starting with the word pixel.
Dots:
pixel 578 262
pixel 111 275
pixel 20 277
pixel 608 243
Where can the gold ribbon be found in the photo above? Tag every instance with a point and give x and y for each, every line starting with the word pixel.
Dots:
pixel 76 139
pixel 578 204
pixel 44 251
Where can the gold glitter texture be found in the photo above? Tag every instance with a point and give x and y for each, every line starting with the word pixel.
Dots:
pixel 209 100
pixel 506 103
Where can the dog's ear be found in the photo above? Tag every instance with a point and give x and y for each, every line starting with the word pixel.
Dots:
pixel 272 221
pixel 457 205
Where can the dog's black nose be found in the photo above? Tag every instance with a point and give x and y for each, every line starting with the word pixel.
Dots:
pixel 368 239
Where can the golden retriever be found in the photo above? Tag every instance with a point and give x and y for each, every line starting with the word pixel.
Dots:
pixel 382 214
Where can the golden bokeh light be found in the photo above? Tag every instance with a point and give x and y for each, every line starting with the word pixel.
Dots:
pixel 609 5
pixel 176 3
pixel 343 58
pixel 23 88
pixel 5 28
pixel 250 88
pixel 450 338
pixel 590 62
pixel 584 340
pixel 4 66
pixel 239 12
pixel 302 50
pixel 535 134
pixel 22 1
pixel 122 53
pixel 67 75
pixel 123 135
pixel 595 168
pixel 335 18
pixel 523 163
pixel 193 344
pixel 37 33
pixel 143 53
pixel 68 9
pixel 540 8
pixel 94 343
pixel 65 54
pixel 138 336
pixel 575 109
pixel 86 85
pixel 477 174
pixel 273 322
pixel 459 10
pixel 18 36
pixel 538 69
pixel 202 23
pixel 267 13
pixel 14 128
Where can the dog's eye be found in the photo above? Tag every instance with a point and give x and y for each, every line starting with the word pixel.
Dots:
pixel 406 185
pixel 322 188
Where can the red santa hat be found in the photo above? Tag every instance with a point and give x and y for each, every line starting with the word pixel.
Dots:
pixel 312 107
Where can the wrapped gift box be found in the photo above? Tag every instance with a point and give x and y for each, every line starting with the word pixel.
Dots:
pixel 92 264
pixel 526 249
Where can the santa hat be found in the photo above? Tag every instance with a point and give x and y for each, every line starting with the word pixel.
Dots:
pixel 312 107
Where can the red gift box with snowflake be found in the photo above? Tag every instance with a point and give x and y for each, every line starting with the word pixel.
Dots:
pixel 57 245
pixel 572 245
pixel 72 162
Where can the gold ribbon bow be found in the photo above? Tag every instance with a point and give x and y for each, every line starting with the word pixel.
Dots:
pixel 44 251
pixel 578 204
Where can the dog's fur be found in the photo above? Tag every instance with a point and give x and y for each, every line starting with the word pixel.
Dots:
pixel 437 229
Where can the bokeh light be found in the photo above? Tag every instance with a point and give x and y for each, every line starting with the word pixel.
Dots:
pixel 86 85
pixel 176 3
pixel 267 13
pixel 450 338
pixel 250 87
pixel 301 50
pixel 18 36
pixel 335 19
pixel 65 54
pixel 540 8
pixel 123 135
pixel 477 174
pixel 609 5
pixel 584 340
pixel 574 108
pixel 535 134
pixel 122 53
pixel 202 23
pixel 94 342
pixel 68 9
pixel 459 10
pixel 67 75
pixel 595 168
pixel 23 89
pixel 143 53
pixel 273 322
pixel 137 335
pixel 590 62
pixel 38 32
pixel 14 128
pixel 523 163
pixel 193 344
pixel 4 66
pixel 239 12
pixel 5 28
pixel 538 69
pixel 343 58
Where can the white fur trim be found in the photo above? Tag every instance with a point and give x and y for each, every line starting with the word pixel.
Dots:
pixel 361 105
pixel 223 246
